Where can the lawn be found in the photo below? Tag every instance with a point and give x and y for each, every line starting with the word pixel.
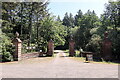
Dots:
pixel 67 52
pixel 77 58
pixel 55 54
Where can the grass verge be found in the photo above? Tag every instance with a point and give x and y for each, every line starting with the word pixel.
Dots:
pixel 102 62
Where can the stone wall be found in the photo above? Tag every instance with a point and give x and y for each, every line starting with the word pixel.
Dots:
pixel 30 55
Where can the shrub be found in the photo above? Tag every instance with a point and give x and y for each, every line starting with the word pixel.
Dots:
pixel 7 57
pixel 95 46
pixel 6 48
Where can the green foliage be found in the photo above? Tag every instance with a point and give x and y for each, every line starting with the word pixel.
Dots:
pixel 58 18
pixel 68 20
pixel 94 44
pixel 73 30
pixel 112 23
pixel 6 48
pixel 112 13
pixel 36 27
pixel 6 57
pixel 89 31
pixel 86 22
pixel 51 29
pixel 23 17
pixel 115 38
pixel 78 18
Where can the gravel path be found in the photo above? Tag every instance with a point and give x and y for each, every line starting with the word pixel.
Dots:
pixel 58 67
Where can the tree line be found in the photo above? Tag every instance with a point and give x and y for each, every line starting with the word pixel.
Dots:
pixel 88 29
pixel 37 26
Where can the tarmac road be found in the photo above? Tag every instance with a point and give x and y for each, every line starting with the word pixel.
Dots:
pixel 57 67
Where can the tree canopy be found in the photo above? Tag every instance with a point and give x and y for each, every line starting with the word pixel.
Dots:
pixel 37 26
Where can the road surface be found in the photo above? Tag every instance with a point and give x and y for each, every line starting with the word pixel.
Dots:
pixel 57 67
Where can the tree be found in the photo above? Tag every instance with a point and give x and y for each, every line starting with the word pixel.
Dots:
pixel 86 22
pixel 108 22
pixel 23 18
pixel 68 20
pixel 8 18
pixel 51 29
pixel 112 23
pixel 58 18
pixel 78 18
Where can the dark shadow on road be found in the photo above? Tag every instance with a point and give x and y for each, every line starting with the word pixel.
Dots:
pixel 64 56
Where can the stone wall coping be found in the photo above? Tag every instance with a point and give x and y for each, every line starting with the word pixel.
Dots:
pixel 85 52
pixel 16 40
pixel 30 53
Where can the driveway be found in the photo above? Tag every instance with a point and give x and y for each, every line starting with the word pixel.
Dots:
pixel 57 67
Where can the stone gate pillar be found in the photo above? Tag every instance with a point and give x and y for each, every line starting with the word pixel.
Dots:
pixel 17 42
pixel 106 48
pixel 50 48
pixel 71 47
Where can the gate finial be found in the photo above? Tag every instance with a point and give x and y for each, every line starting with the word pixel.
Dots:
pixel 16 34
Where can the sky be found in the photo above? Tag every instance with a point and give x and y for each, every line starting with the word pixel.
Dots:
pixel 60 7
